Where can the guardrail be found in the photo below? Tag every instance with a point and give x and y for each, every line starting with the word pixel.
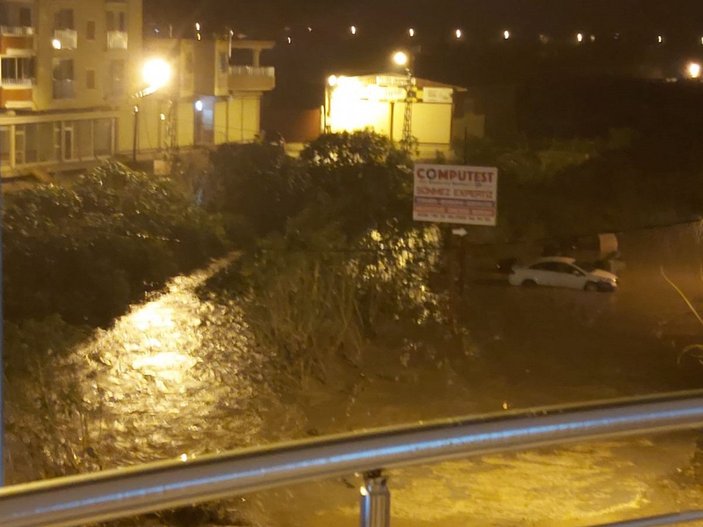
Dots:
pixel 121 493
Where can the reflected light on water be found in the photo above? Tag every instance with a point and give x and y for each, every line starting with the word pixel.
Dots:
pixel 168 365
pixel 152 315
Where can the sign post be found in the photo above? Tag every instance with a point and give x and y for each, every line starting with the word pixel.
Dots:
pixel 457 194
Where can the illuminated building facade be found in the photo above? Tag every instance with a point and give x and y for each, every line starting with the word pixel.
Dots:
pixel 378 103
pixel 68 69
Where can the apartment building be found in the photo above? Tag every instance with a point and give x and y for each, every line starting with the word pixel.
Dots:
pixel 214 96
pixel 72 92
pixel 68 69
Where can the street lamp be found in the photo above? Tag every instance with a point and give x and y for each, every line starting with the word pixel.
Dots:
pixel 693 70
pixel 156 74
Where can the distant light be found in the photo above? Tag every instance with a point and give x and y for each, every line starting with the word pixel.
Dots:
pixel 693 69
pixel 506 34
pixel 56 43
pixel 199 105
pixel 543 38
pixel 458 33
pixel 332 80
pixel 309 29
pixel 400 58
pixel 197 26
pixel 616 36
pixel 289 40
pixel 411 32
pixel 162 116
pixel 156 30
pixel 701 41
pixel 231 32
pixel 660 39
pixel 593 38
pixel 352 30
pixel 184 457
pixel 579 37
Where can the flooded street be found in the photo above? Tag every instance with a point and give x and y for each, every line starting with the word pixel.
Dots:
pixel 177 377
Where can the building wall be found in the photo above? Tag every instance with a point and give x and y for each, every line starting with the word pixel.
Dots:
pixel 89 54
pixel 90 123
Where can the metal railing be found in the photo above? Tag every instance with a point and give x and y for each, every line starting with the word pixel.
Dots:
pixel 121 493
pixel 253 71
pixel 20 83
pixel 66 38
pixel 117 39
pixel 16 31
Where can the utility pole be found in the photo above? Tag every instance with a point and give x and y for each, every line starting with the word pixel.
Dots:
pixel 410 94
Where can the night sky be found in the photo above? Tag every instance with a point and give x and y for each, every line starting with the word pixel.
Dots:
pixel 374 16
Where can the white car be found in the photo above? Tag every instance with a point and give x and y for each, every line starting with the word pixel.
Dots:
pixel 560 271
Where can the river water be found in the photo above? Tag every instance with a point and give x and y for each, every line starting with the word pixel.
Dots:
pixel 177 377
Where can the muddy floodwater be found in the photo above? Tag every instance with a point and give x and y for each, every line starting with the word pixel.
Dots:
pixel 177 377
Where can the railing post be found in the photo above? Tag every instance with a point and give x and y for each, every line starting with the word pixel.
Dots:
pixel 375 501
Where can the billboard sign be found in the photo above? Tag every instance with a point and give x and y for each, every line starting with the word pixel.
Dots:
pixel 456 194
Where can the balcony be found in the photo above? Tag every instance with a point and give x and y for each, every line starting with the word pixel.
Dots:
pixel 16 40
pixel 16 93
pixel 65 39
pixel 117 40
pixel 64 89
pixel 251 78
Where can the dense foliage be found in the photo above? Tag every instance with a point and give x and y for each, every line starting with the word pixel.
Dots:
pixel 341 258
pixel 85 251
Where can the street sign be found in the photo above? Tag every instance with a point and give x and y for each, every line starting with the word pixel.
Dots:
pixel 456 194
pixel 441 95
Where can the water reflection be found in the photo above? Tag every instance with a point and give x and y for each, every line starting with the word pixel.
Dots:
pixel 173 378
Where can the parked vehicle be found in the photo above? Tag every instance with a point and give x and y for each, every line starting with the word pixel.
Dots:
pixel 562 271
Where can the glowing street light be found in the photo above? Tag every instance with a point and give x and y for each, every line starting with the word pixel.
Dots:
pixel 400 58
pixel 411 32
pixel 579 37
pixel 506 34
pixel 156 73
pixel 56 43
pixel 693 70
pixel 199 105
pixel 458 33
pixel 352 30
pixel 660 39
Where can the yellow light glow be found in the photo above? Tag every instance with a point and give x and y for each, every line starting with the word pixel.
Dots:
pixel 411 32
pixel 332 80
pixel 579 37
pixel 458 33
pixel 156 73
pixel 352 30
pixel 693 69
pixel 197 26
pixel 56 43
pixel 660 39
pixel 400 58
pixel 167 365
pixel 357 106
pixel 506 34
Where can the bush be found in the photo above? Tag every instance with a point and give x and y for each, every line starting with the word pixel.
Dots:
pixel 87 251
